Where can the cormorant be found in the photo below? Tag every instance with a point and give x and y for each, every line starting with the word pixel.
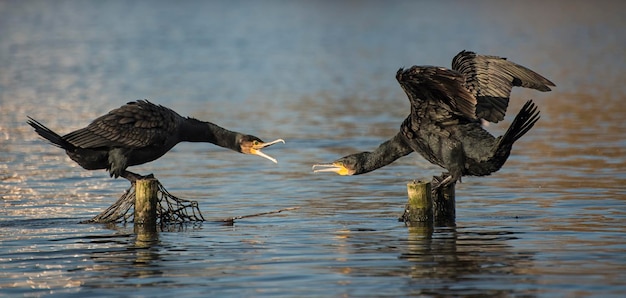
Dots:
pixel 444 125
pixel 140 132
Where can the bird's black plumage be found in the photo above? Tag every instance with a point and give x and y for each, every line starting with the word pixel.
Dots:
pixel 490 79
pixel 140 132
pixel 444 124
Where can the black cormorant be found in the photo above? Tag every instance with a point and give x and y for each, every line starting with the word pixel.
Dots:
pixel 140 132
pixel 444 125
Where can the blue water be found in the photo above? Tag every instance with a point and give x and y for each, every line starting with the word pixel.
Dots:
pixel 319 74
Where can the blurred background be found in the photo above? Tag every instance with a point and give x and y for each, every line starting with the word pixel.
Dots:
pixel 321 75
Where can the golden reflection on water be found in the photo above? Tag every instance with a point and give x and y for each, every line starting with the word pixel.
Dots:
pixel 577 144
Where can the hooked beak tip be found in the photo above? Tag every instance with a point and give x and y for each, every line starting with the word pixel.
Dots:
pixel 324 168
pixel 261 154
pixel 273 142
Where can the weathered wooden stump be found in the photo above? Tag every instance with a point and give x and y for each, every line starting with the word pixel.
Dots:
pixel 444 209
pixel 146 204
pixel 419 208
pixel 426 207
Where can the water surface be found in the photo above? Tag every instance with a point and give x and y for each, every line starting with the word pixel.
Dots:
pixel 321 76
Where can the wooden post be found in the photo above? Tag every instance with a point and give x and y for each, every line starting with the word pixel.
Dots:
pixel 146 201
pixel 419 208
pixel 444 205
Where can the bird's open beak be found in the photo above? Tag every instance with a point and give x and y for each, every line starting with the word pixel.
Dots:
pixel 331 167
pixel 256 149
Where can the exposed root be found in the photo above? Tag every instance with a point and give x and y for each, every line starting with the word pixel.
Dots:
pixel 170 209
pixel 176 210
pixel 119 211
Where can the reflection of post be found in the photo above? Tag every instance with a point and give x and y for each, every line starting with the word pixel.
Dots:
pixel 146 205
pixel 420 241
pixel 443 205
pixel 419 208
pixel 146 236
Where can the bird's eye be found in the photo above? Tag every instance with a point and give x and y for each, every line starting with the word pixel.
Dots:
pixel 255 143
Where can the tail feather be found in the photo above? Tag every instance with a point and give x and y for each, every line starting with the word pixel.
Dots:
pixel 50 135
pixel 523 122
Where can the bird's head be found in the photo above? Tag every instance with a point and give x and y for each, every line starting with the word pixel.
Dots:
pixel 249 144
pixel 345 166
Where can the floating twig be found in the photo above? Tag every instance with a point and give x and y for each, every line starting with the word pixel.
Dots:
pixel 231 220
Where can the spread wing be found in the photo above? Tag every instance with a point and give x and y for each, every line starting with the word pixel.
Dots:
pixel 427 85
pixel 134 125
pixel 490 79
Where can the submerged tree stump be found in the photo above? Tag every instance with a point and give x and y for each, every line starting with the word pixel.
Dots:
pixel 169 208
pixel 444 209
pixel 154 205
pixel 146 200
pixel 428 207
pixel 419 208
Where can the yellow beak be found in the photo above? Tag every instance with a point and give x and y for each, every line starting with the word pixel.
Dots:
pixel 333 167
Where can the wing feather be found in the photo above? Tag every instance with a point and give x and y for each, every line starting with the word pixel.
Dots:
pixel 440 86
pixel 490 79
pixel 134 125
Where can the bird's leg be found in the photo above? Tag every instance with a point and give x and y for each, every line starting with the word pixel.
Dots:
pixel 439 180
pixel 453 160
pixel 133 177
pixel 442 181
pixel 118 161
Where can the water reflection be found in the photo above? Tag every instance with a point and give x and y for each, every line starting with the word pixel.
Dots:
pixel 451 261
pixel 141 261
pixel 443 261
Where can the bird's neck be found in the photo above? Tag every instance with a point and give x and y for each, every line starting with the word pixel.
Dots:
pixel 193 130
pixel 385 154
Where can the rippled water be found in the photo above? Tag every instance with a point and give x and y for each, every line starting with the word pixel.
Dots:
pixel 321 76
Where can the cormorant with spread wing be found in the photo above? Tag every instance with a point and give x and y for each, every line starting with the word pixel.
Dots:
pixel 444 126
pixel 140 132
